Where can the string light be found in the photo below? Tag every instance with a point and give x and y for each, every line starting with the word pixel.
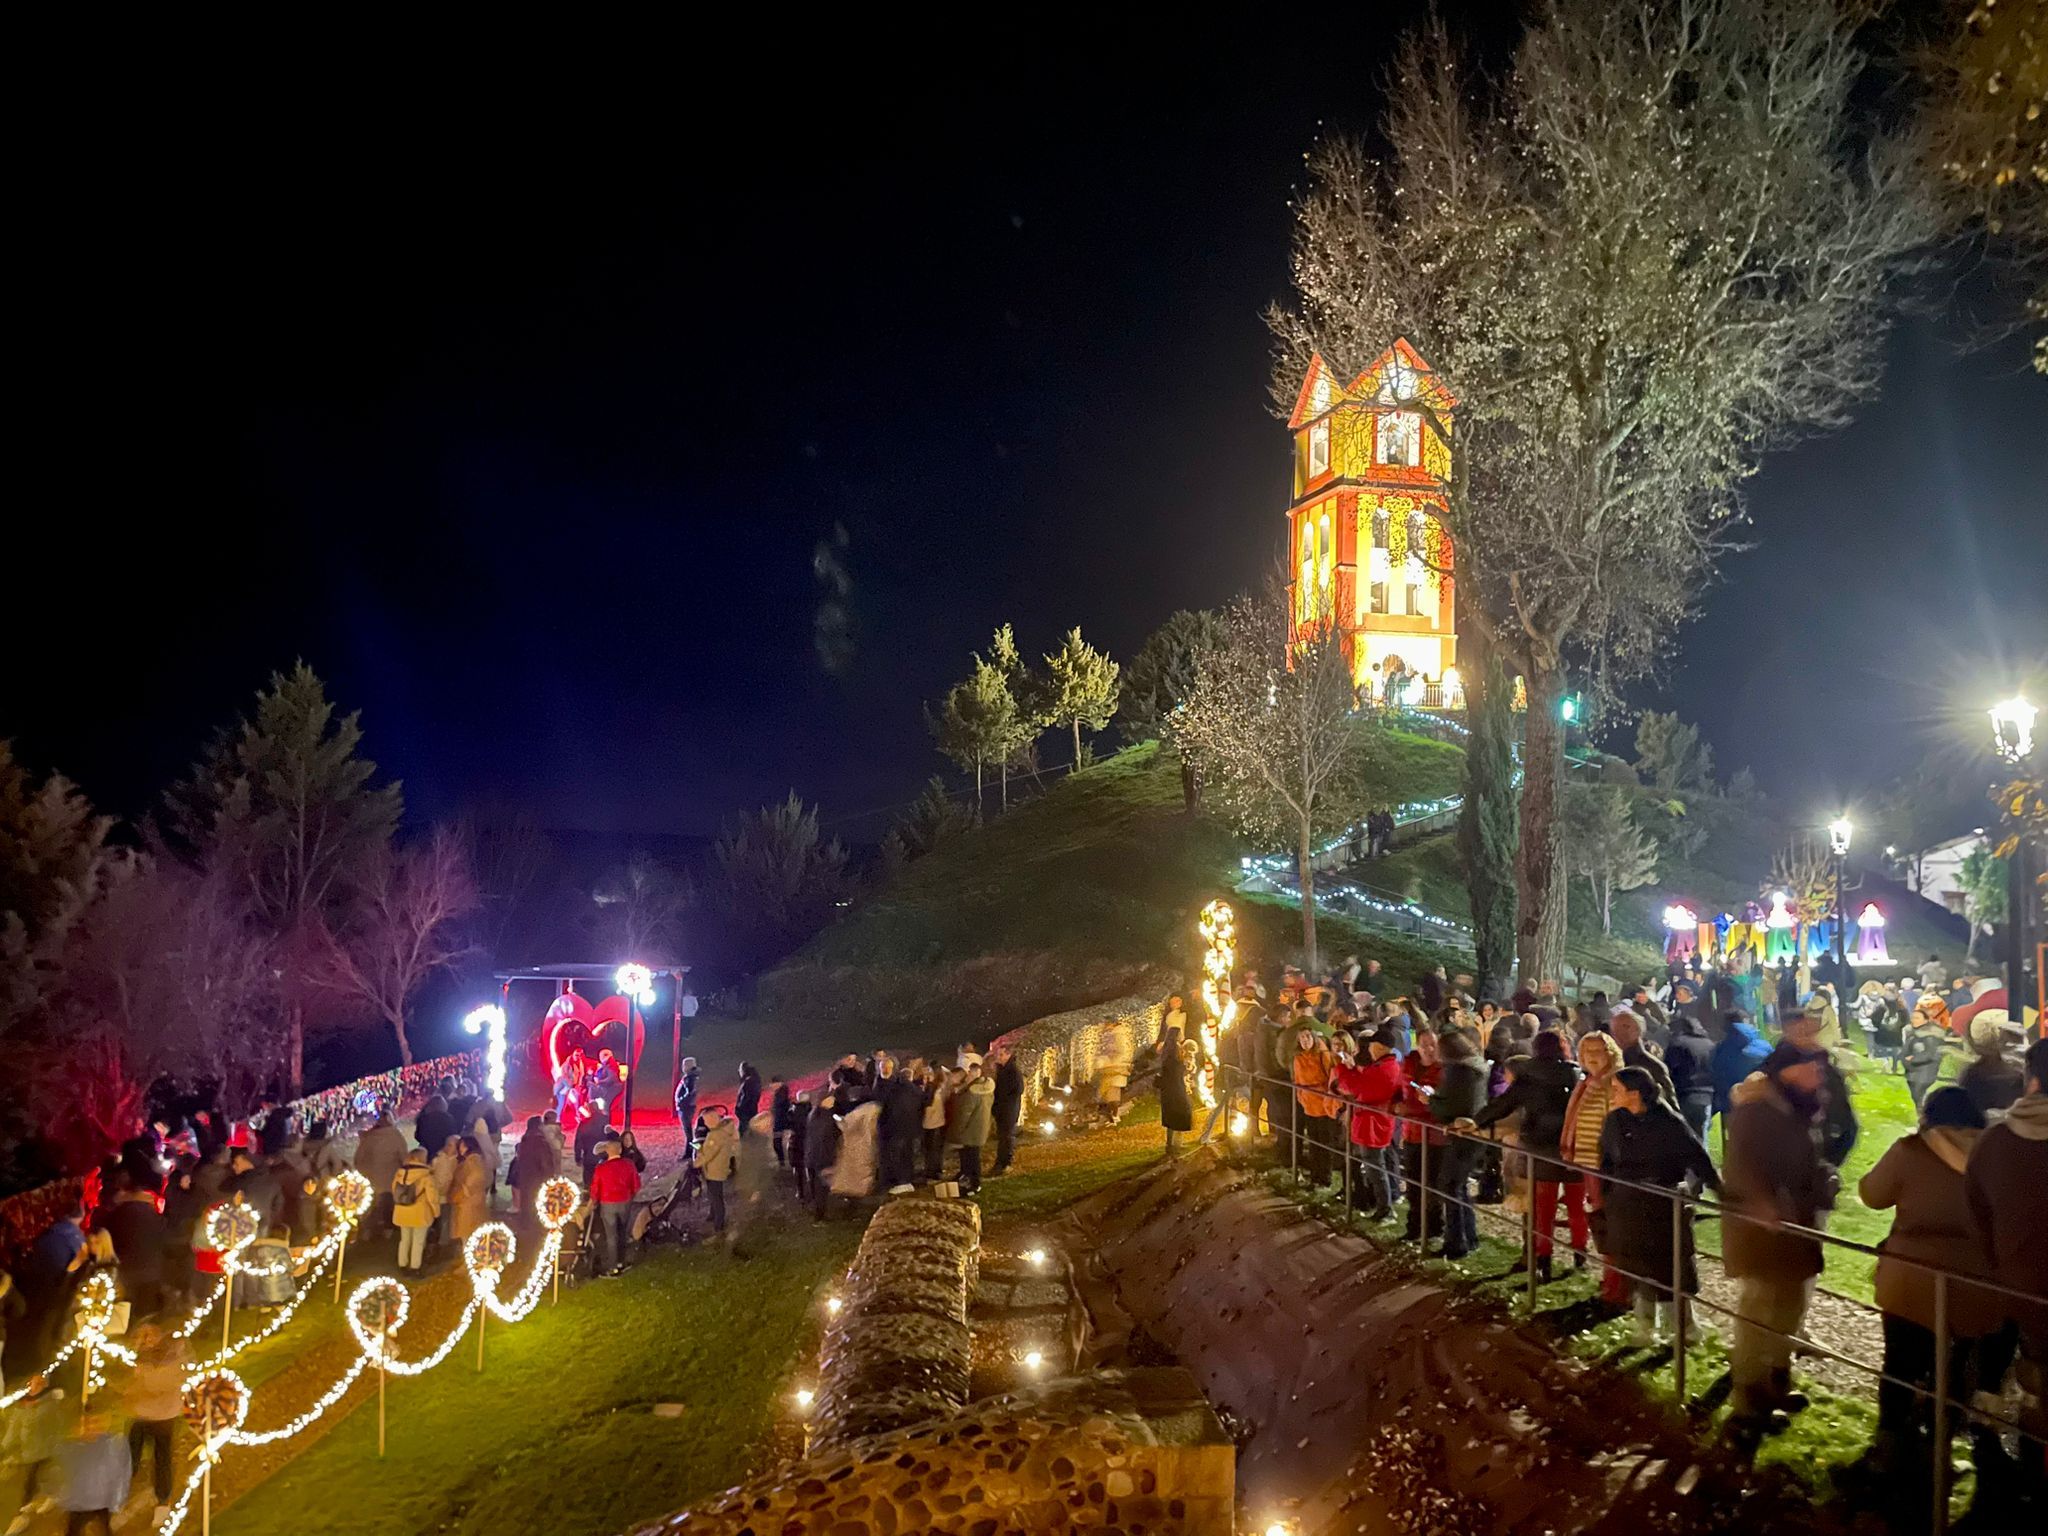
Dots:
pixel 377 1309
pixel 1219 958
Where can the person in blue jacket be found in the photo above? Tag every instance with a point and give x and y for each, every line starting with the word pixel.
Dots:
pixel 1740 1052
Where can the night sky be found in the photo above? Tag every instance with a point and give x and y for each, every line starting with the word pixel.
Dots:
pixel 518 396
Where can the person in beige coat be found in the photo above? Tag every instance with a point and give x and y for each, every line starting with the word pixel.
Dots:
pixel 469 1195
pixel 415 1202
pixel 1921 1178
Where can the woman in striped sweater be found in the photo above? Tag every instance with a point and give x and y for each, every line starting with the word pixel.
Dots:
pixel 1585 1114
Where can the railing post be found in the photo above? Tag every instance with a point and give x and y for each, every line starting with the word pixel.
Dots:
pixel 1941 1432
pixel 1294 1136
pixel 1529 1225
pixel 1422 1194
pixel 1678 1299
pixel 1345 1130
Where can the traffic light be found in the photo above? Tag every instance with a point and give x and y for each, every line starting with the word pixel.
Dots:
pixel 1568 709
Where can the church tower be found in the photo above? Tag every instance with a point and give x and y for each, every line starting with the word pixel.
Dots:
pixel 1367 547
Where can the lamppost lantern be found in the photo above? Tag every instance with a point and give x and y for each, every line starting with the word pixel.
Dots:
pixel 2012 729
pixel 1839 832
pixel 637 982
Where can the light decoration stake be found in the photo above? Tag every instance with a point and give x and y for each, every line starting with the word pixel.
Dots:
pixel 490 1017
pixel 95 1316
pixel 376 1310
pixel 230 1227
pixel 348 1196
pixel 215 1406
pixel 488 1253
pixel 556 1203
pixel 1218 926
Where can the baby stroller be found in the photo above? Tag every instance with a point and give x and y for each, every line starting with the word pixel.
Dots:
pixel 661 1215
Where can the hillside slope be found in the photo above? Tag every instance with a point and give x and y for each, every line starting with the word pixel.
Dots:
pixel 1089 890
pixel 1728 868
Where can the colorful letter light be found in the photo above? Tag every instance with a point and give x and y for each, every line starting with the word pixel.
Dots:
pixel 1870 946
pixel 1781 944
pixel 1684 927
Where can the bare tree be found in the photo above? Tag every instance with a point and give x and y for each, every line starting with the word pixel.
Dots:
pixel 1273 735
pixel 640 909
pixel 1654 250
pixel 404 927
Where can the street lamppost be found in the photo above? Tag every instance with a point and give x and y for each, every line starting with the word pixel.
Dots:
pixel 2012 738
pixel 636 985
pixel 1839 833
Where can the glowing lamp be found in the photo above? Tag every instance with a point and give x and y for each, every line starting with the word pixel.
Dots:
pixel 1839 832
pixel 1035 1258
pixel 1680 918
pixel 1453 684
pixel 637 982
pixel 490 1017
pixel 1048 1126
pixel 1240 1124
pixel 803 1398
pixel 833 1304
pixel 2012 729
pixel 1033 1359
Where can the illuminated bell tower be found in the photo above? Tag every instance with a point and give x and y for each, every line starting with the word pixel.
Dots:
pixel 1367 546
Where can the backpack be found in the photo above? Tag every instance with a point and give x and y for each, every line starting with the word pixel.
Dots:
pixel 405 1192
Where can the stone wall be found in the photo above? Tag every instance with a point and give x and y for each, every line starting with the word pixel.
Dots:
pixel 899 1350
pixel 1132 1451
pixel 1084 1047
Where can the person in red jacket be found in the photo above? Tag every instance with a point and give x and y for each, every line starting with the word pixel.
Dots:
pixel 1375 1084
pixel 613 1184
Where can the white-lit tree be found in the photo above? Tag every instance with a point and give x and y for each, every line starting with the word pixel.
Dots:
pixel 1272 734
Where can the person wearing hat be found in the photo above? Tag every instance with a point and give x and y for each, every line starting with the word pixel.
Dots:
pixel 1993 1078
pixel 1773 1180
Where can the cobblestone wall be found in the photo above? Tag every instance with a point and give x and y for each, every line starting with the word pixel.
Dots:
pixel 899 1350
pixel 1132 1451
pixel 1085 1047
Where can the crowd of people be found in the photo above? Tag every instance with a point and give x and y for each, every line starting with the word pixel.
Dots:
pixel 1442 1102
pixel 148 1228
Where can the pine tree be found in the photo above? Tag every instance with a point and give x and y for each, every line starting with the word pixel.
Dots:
pixel 285 798
pixel 976 723
pixel 934 817
pixel 1083 688
pixel 1160 678
pixel 1028 695
pixel 1604 844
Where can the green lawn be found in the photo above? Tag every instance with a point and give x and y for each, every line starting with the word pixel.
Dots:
pixel 559 1430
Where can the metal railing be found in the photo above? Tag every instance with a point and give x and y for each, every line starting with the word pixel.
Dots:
pixel 1686 1207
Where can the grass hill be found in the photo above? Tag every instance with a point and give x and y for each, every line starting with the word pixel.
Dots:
pixel 1091 889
